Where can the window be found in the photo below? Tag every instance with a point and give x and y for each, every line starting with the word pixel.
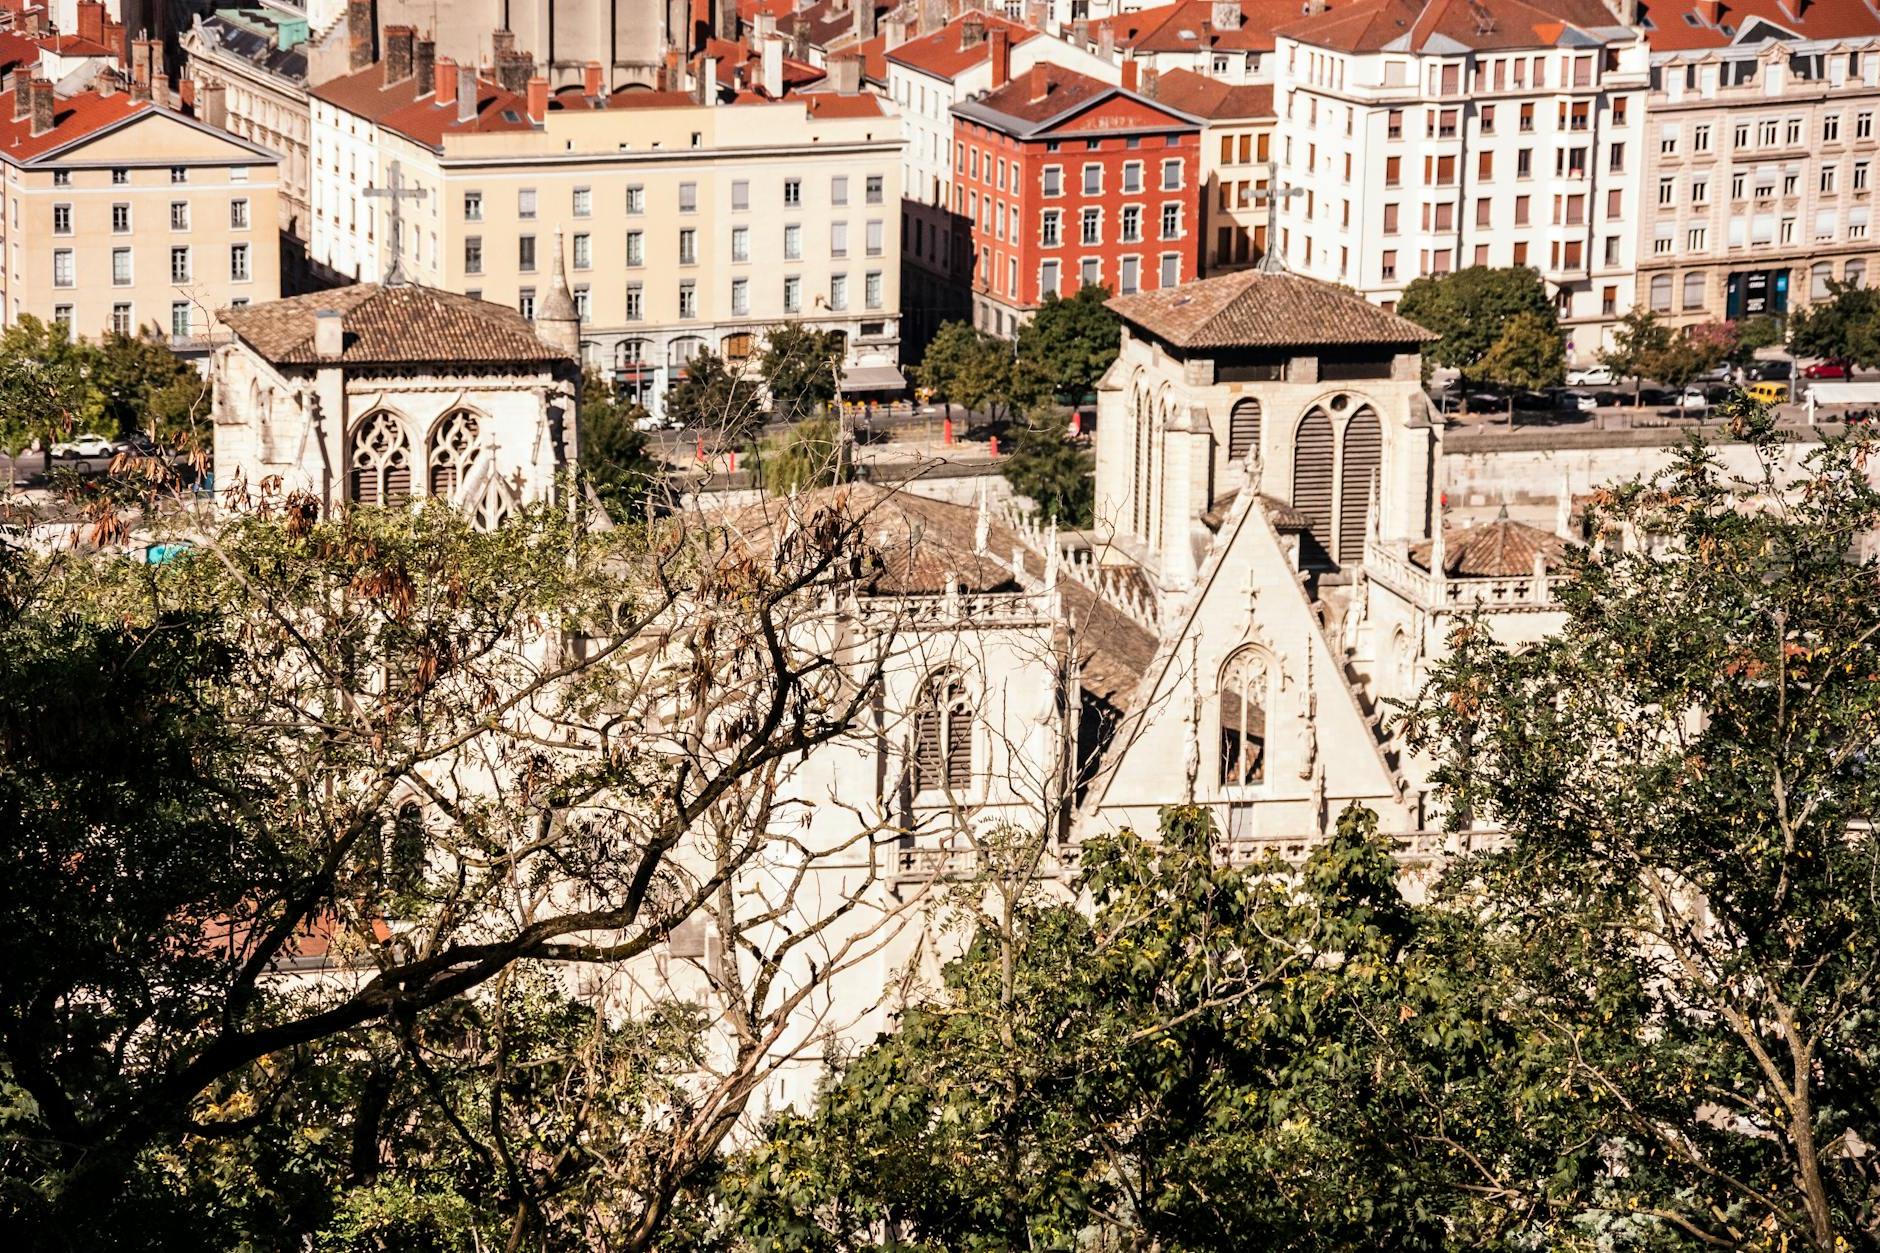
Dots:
pixel 1172 174
pixel 688 197
pixel 1693 291
pixel 63 178
pixel 740 243
pixel 1171 269
pixel 1616 161
pixel 1171 221
pixel 118 177
pixel 1241 707
pixel 238 263
pixel 1667 190
pixel 238 215
pixel 473 206
pixel 179 174
pixel 1053 180
pixel 636 199
pixel 636 248
pixel 1523 209
pixel 1388 267
pixel 792 192
pixel 1093 180
pixel 1527 118
pixel 179 265
pixel 839 189
pixel 62 317
pixel 792 294
pixel 583 252
pixel 838 291
pixel 838 239
pixel 792 242
pixel 1393 124
pixel 1700 138
pixel 1131 224
pixel 740 297
pixel 1049 228
pixel 688 246
pixel 871 289
pixel 453 449
pixel 525 202
pixel 61 219
pixel 1485 167
pixel 688 299
pixel 1093 226
pixel 473 254
pixel 1132 173
pixel 1524 163
pixel 875 236
pixel 121 320
pixel 1827 180
pixel 1819 276
pixel 380 463
pixel 1860 176
pixel 636 302
pixel 121 267
pixel 1696 239
pixel 1393 171
pixel 120 219
pixel 873 188
pixel 1830 129
pixel 583 304
pixel 179 215
pixel 942 751
pixel 525 253
pixel 1390 219
pixel 1661 293
pixel 179 319
pixel 525 303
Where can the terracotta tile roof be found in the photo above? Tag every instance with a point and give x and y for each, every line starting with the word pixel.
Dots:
pixel 1253 310
pixel 426 120
pixel 73 117
pixel 1501 549
pixel 1012 110
pixel 1282 515
pixel 1188 25
pixel 1113 650
pixel 74 46
pixel 1682 26
pixel 392 325
pixel 1414 25
pixel 1209 97
pixel 945 54
pixel 829 22
pixel 16 49
pixel 736 57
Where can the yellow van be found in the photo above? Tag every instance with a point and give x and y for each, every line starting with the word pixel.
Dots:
pixel 1768 392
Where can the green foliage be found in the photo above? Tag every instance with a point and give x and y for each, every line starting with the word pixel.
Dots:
pixel 614 458
pixel 1066 346
pixel 46 387
pixel 53 387
pixel 716 399
pixel 811 455
pixel 1471 309
pixel 1054 470
pixel 801 366
pixel 1763 331
pixel 966 366
pixel 146 387
pixel 1528 356
pixel 1846 325
pixel 1690 352
pixel 1637 341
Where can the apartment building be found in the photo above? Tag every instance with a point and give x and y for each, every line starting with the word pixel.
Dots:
pixel 1231 40
pixel 926 77
pixel 117 214
pixel 1069 181
pixel 1421 136
pixel 1761 156
pixel 1237 125
pixel 684 225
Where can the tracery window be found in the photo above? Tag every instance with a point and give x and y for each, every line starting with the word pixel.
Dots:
pixel 453 449
pixel 381 461
pixel 1242 703
pixel 943 735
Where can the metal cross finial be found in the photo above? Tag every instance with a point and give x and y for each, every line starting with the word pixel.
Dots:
pixel 1271 262
pixel 397 192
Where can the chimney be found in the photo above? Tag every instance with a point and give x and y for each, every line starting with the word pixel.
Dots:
pixel 592 83
pixel 1146 81
pixel 398 53
pixel 91 20
pixel 444 81
pixel 1315 7
pixel 114 39
pixel 160 90
pixel 1226 15
pixel 765 27
pixel 467 94
pixel 41 91
pixel 329 334
pixel 894 31
pixel 1710 11
pixel 1106 41
pixel 36 23
pixel 1040 84
pixel 864 19
pixel 773 68
pixel 972 31
pixel 999 51
pixel 212 104
pixel 1080 33
pixel 514 70
pixel 106 84
pixel 140 67
pixel 502 43
pixel 538 99
pixel 1130 70
pixel 358 34
pixel 424 65
pixel 20 83
pixel 708 81
pixel 845 71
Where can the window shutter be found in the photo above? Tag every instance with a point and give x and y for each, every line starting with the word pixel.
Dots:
pixel 1243 429
pixel 1312 485
pixel 927 744
pixel 959 746
pixel 1364 455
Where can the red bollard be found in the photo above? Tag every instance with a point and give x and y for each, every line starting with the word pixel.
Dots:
pixel 1077 424
pixel 734 461
pixel 946 430
pixel 992 442
pixel 698 450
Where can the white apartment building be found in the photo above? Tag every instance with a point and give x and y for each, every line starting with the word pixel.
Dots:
pixel 1761 157
pixel 1421 138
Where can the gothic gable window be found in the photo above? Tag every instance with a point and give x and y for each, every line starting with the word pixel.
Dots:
pixel 380 462
pixel 943 735
pixel 453 448
pixel 1242 707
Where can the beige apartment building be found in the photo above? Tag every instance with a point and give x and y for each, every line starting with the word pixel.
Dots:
pixel 1761 158
pixel 120 215
pixel 1237 125
pixel 685 225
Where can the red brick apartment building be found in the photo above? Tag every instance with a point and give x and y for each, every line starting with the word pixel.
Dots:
pixel 1067 180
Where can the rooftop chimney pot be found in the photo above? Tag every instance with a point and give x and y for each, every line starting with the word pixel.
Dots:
pixel 424 65
pixel 329 334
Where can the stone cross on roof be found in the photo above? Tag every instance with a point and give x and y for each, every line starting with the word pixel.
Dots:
pixel 397 192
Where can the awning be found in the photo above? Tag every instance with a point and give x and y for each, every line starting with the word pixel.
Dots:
pixel 872 378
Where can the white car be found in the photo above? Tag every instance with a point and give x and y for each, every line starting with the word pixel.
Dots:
pixel 1693 398
pixel 88 445
pixel 1590 376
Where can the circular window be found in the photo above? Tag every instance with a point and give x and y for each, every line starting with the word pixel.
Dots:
pixel 1339 403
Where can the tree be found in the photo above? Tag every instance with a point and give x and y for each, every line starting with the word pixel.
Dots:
pixel 1637 341
pixel 1845 326
pixel 713 397
pixel 1762 331
pixel 813 454
pixel 1067 345
pixel 1688 353
pixel 1471 308
pixel 47 390
pixel 1052 469
pixel 614 459
pixel 964 365
pixel 146 387
pixel 1686 783
pixel 1528 356
pixel 802 367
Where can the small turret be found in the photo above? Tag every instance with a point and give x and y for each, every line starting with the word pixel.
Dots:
pixel 557 321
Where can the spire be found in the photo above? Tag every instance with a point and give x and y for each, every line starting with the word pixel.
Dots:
pixel 1563 509
pixel 557 322
pixel 1051 556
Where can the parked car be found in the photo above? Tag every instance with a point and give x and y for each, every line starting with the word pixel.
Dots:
pixel 1722 372
pixel 1657 396
pixel 1580 402
pixel 1758 371
pixel 655 422
pixel 1693 397
pixel 1768 391
pixel 87 445
pixel 1590 376
pixel 1487 402
pixel 1608 400
pixel 1828 369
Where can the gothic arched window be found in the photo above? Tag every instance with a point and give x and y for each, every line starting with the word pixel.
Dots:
pixel 453 448
pixel 1312 485
pixel 943 735
pixel 1242 703
pixel 1364 457
pixel 381 461
pixel 1243 429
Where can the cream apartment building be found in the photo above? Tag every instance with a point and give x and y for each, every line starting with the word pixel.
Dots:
pixel 120 215
pixel 1761 158
pixel 1421 138
pixel 1237 127
pixel 684 225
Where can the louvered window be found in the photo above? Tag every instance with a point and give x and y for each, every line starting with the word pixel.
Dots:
pixel 943 736
pixel 1312 487
pixel 453 448
pixel 381 461
pixel 1243 429
pixel 1364 456
pixel 1243 718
